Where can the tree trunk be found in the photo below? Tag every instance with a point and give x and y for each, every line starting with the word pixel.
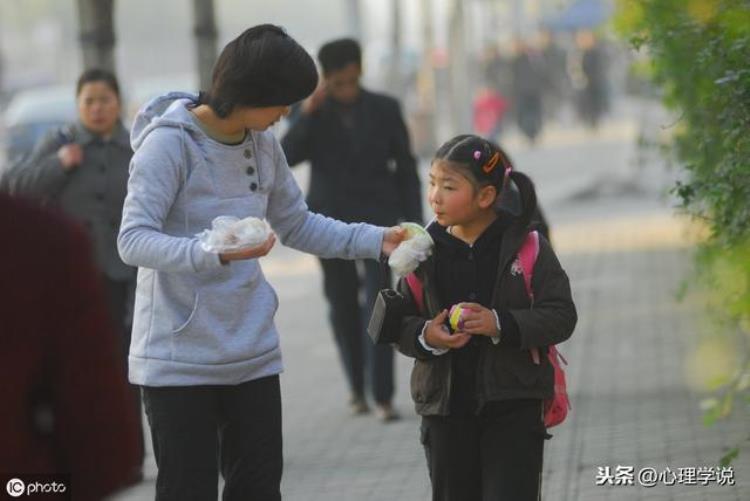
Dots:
pixel 205 39
pixel 424 130
pixel 354 18
pixel 394 68
pixel 97 34
pixel 459 70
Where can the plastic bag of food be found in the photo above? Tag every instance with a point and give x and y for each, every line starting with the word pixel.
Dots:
pixel 230 234
pixel 416 247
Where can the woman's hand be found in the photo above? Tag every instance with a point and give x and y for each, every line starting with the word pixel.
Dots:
pixel 393 237
pixel 70 156
pixel 479 321
pixel 315 100
pixel 250 253
pixel 437 334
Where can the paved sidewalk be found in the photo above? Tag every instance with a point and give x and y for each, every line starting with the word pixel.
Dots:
pixel 631 403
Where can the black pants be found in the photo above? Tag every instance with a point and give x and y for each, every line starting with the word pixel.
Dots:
pixel 349 319
pixel 496 456
pixel 120 295
pixel 196 430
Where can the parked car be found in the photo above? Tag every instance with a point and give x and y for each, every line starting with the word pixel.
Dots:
pixel 30 114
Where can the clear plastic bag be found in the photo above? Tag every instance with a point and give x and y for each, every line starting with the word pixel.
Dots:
pixel 416 248
pixel 229 234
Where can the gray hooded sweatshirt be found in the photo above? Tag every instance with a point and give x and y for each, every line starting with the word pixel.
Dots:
pixel 196 321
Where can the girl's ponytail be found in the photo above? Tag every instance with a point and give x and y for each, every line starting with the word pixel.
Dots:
pixel 527 194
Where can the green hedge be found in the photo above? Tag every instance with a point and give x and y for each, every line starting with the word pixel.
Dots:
pixel 700 59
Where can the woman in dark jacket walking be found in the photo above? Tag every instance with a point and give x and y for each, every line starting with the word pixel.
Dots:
pixel 478 389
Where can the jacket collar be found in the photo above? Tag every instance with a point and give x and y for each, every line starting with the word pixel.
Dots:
pixel 455 245
pixel 331 106
pixel 513 238
pixel 83 136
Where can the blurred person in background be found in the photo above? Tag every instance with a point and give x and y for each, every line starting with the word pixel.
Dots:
pixel 66 407
pixel 557 85
pixel 82 169
pixel 593 100
pixel 528 86
pixel 362 169
pixel 497 71
pixel 489 111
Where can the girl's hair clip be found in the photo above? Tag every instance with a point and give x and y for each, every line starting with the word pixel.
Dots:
pixel 477 154
pixel 492 163
pixel 506 176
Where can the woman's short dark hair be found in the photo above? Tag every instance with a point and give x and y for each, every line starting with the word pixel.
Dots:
pixel 98 75
pixel 338 54
pixel 262 67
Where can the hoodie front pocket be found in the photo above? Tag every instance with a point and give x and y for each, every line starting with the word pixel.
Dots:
pixel 181 327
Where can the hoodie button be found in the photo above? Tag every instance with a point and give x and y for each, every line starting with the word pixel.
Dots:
pixel 250 170
pixel 248 153
pixel 253 186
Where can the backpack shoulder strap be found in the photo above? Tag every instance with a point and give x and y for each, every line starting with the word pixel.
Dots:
pixel 527 257
pixel 415 286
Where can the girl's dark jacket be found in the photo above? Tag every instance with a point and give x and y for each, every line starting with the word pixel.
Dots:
pixel 504 372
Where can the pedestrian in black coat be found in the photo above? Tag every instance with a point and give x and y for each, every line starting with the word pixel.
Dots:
pixel 362 169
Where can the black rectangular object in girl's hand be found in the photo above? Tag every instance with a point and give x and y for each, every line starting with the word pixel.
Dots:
pixel 385 322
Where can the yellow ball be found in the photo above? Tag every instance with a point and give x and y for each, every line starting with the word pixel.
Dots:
pixel 455 316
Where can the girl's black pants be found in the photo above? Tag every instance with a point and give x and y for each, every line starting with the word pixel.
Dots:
pixel 494 456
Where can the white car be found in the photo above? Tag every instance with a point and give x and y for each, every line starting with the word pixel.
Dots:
pixel 31 113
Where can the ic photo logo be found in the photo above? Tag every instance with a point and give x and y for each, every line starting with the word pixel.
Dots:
pixel 15 487
pixel 34 486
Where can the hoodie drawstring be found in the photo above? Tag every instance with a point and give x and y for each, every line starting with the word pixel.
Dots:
pixel 185 178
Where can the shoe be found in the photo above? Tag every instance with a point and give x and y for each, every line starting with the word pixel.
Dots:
pixel 358 405
pixel 387 413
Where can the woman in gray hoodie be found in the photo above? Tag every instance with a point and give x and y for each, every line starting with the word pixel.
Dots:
pixel 204 345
